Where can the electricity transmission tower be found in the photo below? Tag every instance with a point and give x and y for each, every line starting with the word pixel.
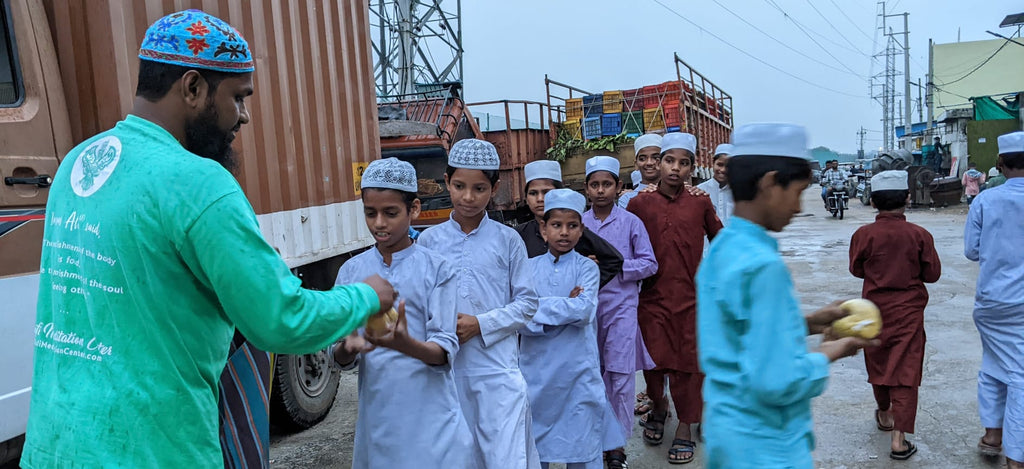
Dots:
pixel 886 80
pixel 415 43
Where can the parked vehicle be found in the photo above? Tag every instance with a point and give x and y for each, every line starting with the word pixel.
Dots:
pixel 67 71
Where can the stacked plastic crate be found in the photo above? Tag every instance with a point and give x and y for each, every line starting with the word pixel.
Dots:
pixel 633 112
pixel 611 120
pixel 593 108
pixel 573 117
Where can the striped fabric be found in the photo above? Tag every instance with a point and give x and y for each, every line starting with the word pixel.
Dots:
pixel 244 406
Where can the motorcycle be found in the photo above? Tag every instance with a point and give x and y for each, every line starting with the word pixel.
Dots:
pixel 864 190
pixel 838 200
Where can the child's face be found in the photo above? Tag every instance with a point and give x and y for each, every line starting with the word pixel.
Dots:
pixel 470 191
pixel 388 218
pixel 721 173
pixel 781 203
pixel 676 166
pixel 535 192
pixel 647 162
pixel 562 230
pixel 602 188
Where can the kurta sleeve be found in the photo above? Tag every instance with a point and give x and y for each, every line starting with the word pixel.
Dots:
pixel 643 264
pixel 774 360
pixel 931 266
pixel 858 253
pixel 712 225
pixel 502 322
pixel 609 260
pixel 972 232
pixel 226 251
pixel 564 311
pixel 442 314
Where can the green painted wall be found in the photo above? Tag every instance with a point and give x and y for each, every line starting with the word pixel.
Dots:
pixel 984 153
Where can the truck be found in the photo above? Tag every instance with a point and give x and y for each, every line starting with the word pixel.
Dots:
pixel 68 71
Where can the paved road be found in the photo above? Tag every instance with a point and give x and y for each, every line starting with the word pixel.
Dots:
pixel 815 247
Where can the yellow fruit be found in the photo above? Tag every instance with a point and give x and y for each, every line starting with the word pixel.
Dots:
pixel 864 321
pixel 378 324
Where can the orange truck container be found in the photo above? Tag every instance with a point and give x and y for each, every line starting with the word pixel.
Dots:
pixel 68 71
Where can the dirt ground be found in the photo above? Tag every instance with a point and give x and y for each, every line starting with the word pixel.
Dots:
pixel 815 247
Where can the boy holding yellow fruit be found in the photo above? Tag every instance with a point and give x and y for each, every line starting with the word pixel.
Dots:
pixel 895 258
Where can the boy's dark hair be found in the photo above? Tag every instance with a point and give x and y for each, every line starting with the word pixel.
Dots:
pixel 716 157
pixel 547 214
pixel 407 197
pixel 744 172
pixel 689 154
pixel 586 180
pixel 490 174
pixel 558 184
pixel 972 165
pixel 889 200
pixel 1013 160
pixel 156 79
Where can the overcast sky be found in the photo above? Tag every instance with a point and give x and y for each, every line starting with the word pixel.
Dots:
pixel 602 45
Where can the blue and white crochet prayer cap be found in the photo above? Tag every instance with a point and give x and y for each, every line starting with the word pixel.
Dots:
pixel 603 163
pixel 390 173
pixel 543 169
pixel 636 177
pixel 196 39
pixel 565 199
pixel 474 154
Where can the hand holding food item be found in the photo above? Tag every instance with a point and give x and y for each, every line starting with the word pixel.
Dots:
pixel 380 324
pixel 864 320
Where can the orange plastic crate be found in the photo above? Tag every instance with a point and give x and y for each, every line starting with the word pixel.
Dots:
pixel 672 117
pixel 652 97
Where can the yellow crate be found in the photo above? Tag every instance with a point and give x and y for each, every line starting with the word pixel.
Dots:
pixel 573 127
pixel 654 119
pixel 612 102
pixel 574 109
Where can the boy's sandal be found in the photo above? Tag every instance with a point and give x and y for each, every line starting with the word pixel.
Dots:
pixel 905 454
pixel 680 447
pixel 878 422
pixel 641 396
pixel 643 419
pixel 656 426
pixel 616 459
pixel 642 407
pixel 989 450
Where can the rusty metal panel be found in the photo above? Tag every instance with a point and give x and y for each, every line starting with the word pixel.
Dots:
pixel 314 117
pixel 445 114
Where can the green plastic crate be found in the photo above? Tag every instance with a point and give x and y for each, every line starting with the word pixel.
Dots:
pixel 633 122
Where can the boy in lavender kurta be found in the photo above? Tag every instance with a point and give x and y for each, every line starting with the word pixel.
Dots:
pixel 618 333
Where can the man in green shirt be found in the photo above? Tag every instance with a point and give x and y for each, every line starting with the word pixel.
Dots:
pixel 152 257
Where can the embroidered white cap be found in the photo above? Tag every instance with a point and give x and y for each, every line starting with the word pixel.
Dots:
pixel 603 163
pixel 783 140
pixel 474 154
pixel 891 180
pixel 566 199
pixel 543 169
pixel 679 141
pixel 636 177
pixel 723 149
pixel 390 173
pixel 646 140
pixel 1011 142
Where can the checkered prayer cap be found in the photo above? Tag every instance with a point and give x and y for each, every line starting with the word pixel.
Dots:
pixel 390 173
pixel 195 39
pixel 474 154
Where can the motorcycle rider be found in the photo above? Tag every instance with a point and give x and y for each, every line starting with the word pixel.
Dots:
pixel 832 179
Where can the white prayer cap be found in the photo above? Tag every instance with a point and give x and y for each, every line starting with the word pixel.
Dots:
pixel 543 169
pixel 679 141
pixel 889 181
pixel 636 177
pixel 723 149
pixel 1011 143
pixel 785 140
pixel 993 172
pixel 646 140
pixel 390 173
pixel 603 163
pixel 474 154
pixel 565 198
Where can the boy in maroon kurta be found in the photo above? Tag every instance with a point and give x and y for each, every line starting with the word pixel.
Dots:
pixel 676 223
pixel 895 258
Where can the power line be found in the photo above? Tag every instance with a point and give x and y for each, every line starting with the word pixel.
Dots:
pixel 982 64
pixel 748 54
pixel 833 67
pixel 823 36
pixel 850 20
pixel 834 28
pixel 801 28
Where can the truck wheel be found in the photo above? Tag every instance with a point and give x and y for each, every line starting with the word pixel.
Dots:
pixel 304 390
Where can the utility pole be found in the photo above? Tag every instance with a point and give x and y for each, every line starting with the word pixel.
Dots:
pixel 860 153
pixel 908 123
pixel 920 104
pixel 887 96
pixel 929 95
pixel 415 42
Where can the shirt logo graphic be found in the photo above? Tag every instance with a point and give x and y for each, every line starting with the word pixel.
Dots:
pixel 94 165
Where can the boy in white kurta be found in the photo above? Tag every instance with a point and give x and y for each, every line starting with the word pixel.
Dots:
pixel 559 346
pixel 494 297
pixel 409 413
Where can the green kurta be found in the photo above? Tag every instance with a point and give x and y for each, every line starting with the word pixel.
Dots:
pixel 151 257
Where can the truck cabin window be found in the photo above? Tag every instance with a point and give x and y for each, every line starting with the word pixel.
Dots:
pixel 10 91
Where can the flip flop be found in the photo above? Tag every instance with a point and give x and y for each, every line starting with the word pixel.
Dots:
pixel 905 454
pixel 989 450
pixel 682 446
pixel 878 422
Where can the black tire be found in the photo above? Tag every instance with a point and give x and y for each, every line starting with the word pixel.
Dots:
pixel 304 390
pixel 841 210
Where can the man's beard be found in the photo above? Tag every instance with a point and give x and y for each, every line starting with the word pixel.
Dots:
pixel 203 138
